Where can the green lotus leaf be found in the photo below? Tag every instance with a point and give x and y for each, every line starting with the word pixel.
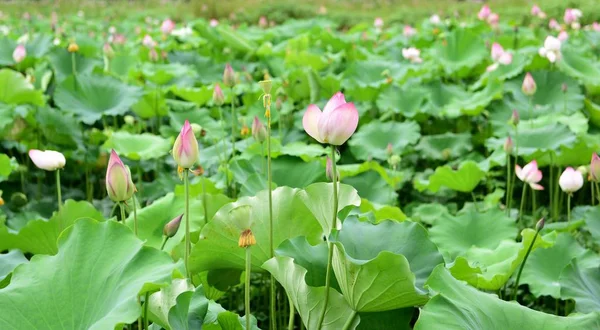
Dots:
pixel 200 96
pixel 393 178
pixel 373 187
pixel 465 179
pixel 104 260
pixel 593 110
pixel 476 102
pixel 372 139
pixel 429 213
pixel 161 302
pixel 318 198
pixel 5 167
pixel 152 104
pixel 383 267
pixel 490 269
pixel 189 310
pixel 397 319
pixel 308 300
pixel 582 285
pixel 303 150
pixel 592 223
pixel 138 146
pixel 39 236
pixel 14 89
pixel 503 72
pixel 218 246
pixel 381 212
pixel 407 101
pixel 10 260
pixel 543 267
pixel 162 74
pixel 62 62
pixel 459 306
pixel 444 146
pixel 547 138
pixel 442 95
pixel 577 66
pixel 455 235
pixel 371 73
pixel 293 172
pixel 461 51
pixel 58 127
pixel 91 97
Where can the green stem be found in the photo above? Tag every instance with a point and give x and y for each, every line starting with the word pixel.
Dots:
pixel 112 211
pixel 73 64
pixel 135 222
pixel 204 200
pixel 597 190
pixel 508 178
pixel 569 207
pixel 550 183
pixel 186 182
pixel 292 315
pixel 233 120
pixel 330 245
pixel 531 110
pixel 272 302
pixel 522 202
pixel 349 321
pixel 593 194
pixel 533 206
pixel 122 205
pixel 146 302
pixel 247 292
pixel 58 192
pixel 162 246
pixel 523 264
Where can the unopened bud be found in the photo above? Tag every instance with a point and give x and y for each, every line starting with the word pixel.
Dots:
pixel 129 120
pixel 564 88
pixel 170 229
pixel 508 145
pixel 259 131
pixel 329 170
pixel 73 47
pixel 266 86
pixel 246 239
pixel 394 160
pixel 389 150
pixel 583 170
pixel 228 76
pixel 540 224
pixel 218 97
pixel 18 199
pixel 515 118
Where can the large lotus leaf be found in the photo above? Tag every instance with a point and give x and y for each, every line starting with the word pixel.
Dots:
pixel 62 62
pixel 392 178
pixel 162 301
pixel 91 97
pixel 582 285
pixel 303 150
pixel 465 179
pixel 200 96
pixel 407 101
pixel 39 236
pixel 454 235
pixel 593 110
pixel 373 187
pixel 458 306
pixel 372 139
pixel 429 213
pixel 10 260
pixel 543 267
pixel 592 221
pixel 377 212
pixel 444 146
pixel 5 167
pixel 312 258
pixel 441 95
pixel 461 50
pixel 318 198
pixel 397 319
pixel 308 300
pixel 189 310
pixel 547 138
pixel 383 267
pixel 14 89
pixel 152 104
pixel 476 102
pixel 490 269
pixel 584 69
pixel 218 247
pixel 138 146
pixel 503 72
pixel 371 73
pixel 105 261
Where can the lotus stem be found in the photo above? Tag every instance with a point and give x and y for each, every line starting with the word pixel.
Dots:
pixel 597 191
pixel 537 232
pixel 350 320
pixel 135 221
pixel 59 195
pixel 73 64
pixel 247 291
pixel 593 194
pixel 569 195
pixel 146 302
pixel 551 185
pixel 531 111
pixel 204 200
pixel 162 246
pixel 186 182
pixel 233 120
pixel 292 315
pixel 533 206
pixel 508 179
pixel 522 203
pixel 122 206
pixel 272 311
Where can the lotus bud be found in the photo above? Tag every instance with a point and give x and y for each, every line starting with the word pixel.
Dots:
pixel 514 118
pixel 170 229
pixel 595 167
pixel 247 239
pixel 564 88
pixel 259 131
pixel 107 50
pixel 185 149
pixel 570 180
pixel 228 76
pixel 378 23
pixel 335 125
pixel 19 53
pixel 167 26
pixel 540 224
pixel 484 12
pixel 118 179
pixel 529 87
pixel 18 199
pixel 129 120
pixel 389 150
pixel 218 97
pixel 197 129
pixel 48 160
pixel 583 170
pixel 394 160
pixel 508 145
pixel 329 170
pixel 73 47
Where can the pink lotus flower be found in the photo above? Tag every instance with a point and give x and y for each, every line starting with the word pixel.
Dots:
pixel 119 185
pixel 259 131
pixel 595 167
pixel 562 36
pixel 551 49
pixel 515 118
pixel 218 96
pixel 484 12
pixel 530 174
pixel 596 26
pixel 119 39
pixel 493 19
pixel 529 87
pixel 262 22
pixel 228 76
pixel 167 26
pixel 499 55
pixel 148 41
pixel 19 53
pixel 412 54
pixel 48 160
pixel 570 180
pixel 378 23
pixel 409 31
pixel 335 124
pixel 572 15
pixel 185 148
pixel 537 11
pixel 435 19
pixel 213 22
pixel 554 25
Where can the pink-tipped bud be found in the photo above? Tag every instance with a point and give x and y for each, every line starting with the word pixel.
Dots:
pixel 335 125
pixel 167 26
pixel 378 23
pixel 595 167
pixel 262 22
pixel 170 229
pixel 508 145
pixel 540 224
pixel 108 50
pixel 389 150
pixel 529 87
pixel 185 148
pixel 484 12
pixel 564 88
pixel 329 170
pixel 228 76
pixel 19 53
pixel 515 118
pixel 259 131
pixel 218 97
pixel 119 185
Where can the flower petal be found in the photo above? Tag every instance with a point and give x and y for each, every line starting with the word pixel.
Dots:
pixel 519 172
pixel 336 127
pixel 536 186
pixel 335 101
pixel 310 121
pixel 535 177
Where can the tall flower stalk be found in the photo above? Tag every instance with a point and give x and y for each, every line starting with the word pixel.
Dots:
pixel 530 175
pixel 570 181
pixel 246 241
pixel 529 87
pixel 333 126
pixel 538 227
pixel 508 148
pixel 50 160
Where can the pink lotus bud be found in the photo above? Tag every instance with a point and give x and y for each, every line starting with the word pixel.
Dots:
pixel 570 180
pixel 185 149
pixel 228 76
pixel 218 96
pixel 493 19
pixel 497 52
pixel 553 25
pixel 562 35
pixel 118 179
pixel 409 31
pixel 262 22
pixel 259 131
pixel 564 88
pixel 213 22
pixel 529 87
pixel 167 26
pixel 535 10
pixel 19 53
pixel 378 23
pixel 515 118
pixel 540 224
pixel 595 167
pixel 171 227
pixel 335 124
pixel 107 50
pixel 506 58
pixel 530 174
pixel 329 170
pixel 389 150
pixel 596 26
pixel 48 160
pixel 484 12
pixel 153 55
pixel 572 15
pixel 148 41
pixel 508 145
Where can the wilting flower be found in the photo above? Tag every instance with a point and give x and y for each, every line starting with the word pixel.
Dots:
pixel 409 31
pixel 562 36
pixel 19 53
pixel 529 87
pixel 595 167
pixel 171 227
pixel 508 145
pixel 167 26
pixel 148 41
pixel 228 76
pixel 259 131
pixel 118 179
pixel 484 12
pixel 185 148
pixel 218 96
pixel 572 15
pixel 554 25
pixel 412 54
pixel 537 11
pixel 335 124
pixel 378 23
pixel 570 180
pixel 213 22
pixel 48 160
pixel 530 174
pixel 551 49
pixel 435 19
pixel 246 239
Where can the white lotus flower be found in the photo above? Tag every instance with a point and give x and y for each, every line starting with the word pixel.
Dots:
pixel 48 160
pixel 551 49
pixel 412 54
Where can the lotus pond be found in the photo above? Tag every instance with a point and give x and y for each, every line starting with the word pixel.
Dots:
pixel 160 174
